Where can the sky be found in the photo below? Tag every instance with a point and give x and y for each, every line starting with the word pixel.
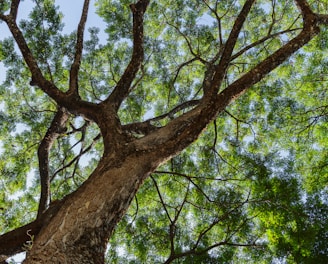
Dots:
pixel 72 12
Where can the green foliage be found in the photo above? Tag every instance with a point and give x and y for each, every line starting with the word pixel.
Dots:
pixel 247 172
pixel 252 189
pixel 4 6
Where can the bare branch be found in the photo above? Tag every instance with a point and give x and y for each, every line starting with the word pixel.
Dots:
pixel 260 41
pixel 73 82
pixel 176 109
pixel 123 86
pixel 57 126
pixel 76 158
pixel 161 198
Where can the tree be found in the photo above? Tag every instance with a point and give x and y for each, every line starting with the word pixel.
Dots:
pixel 155 111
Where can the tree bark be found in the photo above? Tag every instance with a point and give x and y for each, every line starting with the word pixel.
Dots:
pixel 79 232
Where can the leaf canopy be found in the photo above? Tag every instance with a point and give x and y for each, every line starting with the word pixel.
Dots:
pixel 252 188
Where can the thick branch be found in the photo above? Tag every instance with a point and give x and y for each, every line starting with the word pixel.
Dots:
pixel 122 88
pixel 13 242
pixel 58 126
pixel 186 128
pixel 146 127
pixel 323 19
pixel 14 8
pixel 141 128
pixel 306 11
pixel 176 109
pixel 37 76
pixel 270 63
pixel 72 104
pixel 221 68
pixel 74 72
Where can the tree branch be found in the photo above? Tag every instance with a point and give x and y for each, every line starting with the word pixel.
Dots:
pixel 225 59
pixel 74 105
pixel 76 158
pixel 57 126
pixel 141 128
pixel 197 177
pixel 218 19
pixel 187 40
pixel 172 228
pixel 194 251
pixel 123 86
pixel 270 63
pixel 306 12
pixel 145 127
pixel 14 8
pixel 176 109
pixel 37 76
pixel 322 19
pixel 13 241
pixel 203 251
pixel 74 72
pixel 187 127
pixel 161 199
pixel 260 41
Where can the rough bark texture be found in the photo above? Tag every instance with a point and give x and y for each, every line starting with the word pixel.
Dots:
pixel 76 229
pixel 79 232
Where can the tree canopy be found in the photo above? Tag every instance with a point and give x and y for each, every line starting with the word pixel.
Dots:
pixel 232 95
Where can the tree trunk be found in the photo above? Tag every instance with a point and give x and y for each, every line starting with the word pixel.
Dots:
pixel 79 232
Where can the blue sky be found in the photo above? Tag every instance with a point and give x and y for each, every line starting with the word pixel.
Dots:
pixel 72 12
